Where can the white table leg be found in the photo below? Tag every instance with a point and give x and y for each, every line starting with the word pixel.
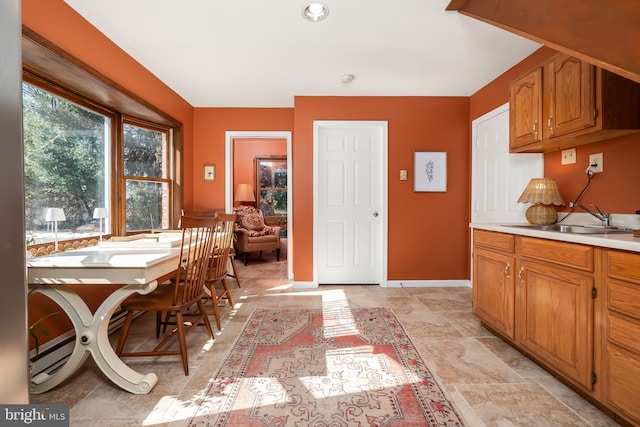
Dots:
pixel 92 336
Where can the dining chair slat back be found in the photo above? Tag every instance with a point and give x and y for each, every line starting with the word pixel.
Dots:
pixel 185 291
pixel 223 242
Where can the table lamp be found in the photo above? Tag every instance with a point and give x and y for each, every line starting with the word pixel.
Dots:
pixel 54 215
pixel 244 193
pixel 543 193
pixel 100 214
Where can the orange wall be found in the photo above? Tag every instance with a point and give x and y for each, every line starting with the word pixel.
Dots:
pixel 245 150
pixel 210 125
pixel 614 190
pixel 428 232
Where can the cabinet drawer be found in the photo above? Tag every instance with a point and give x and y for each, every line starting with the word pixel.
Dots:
pixel 623 265
pixel 624 297
pixel 562 253
pixel 624 333
pixel 491 239
pixel 622 371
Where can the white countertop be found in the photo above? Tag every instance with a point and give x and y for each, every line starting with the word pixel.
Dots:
pixel 623 241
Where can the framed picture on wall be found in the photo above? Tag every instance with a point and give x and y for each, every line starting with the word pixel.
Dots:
pixel 430 171
pixel 209 173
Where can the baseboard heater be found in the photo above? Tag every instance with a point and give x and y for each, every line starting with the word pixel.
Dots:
pixel 54 353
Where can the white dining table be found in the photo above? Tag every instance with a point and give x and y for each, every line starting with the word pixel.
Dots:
pixel 136 267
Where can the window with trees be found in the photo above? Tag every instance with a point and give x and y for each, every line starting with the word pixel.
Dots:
pixel 88 143
pixel 271 185
pixel 147 184
pixel 66 164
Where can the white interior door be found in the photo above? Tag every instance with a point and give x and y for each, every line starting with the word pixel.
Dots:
pixel 498 176
pixel 350 202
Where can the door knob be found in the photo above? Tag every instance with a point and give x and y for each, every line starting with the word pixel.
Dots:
pixel 375 214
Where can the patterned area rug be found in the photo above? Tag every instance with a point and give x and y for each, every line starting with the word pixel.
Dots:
pixel 345 367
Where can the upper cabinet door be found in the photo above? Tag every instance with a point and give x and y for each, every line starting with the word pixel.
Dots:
pixel 570 86
pixel 525 109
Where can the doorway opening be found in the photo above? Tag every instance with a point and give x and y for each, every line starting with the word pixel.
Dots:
pixel 232 137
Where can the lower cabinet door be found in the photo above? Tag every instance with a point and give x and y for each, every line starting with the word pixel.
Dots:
pixel 554 311
pixel 493 293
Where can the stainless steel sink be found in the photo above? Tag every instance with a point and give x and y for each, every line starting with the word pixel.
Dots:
pixel 576 229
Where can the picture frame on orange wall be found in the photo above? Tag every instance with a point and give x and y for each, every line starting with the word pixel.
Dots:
pixel 429 171
pixel 209 173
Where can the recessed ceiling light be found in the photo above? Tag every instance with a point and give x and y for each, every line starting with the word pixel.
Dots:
pixel 315 11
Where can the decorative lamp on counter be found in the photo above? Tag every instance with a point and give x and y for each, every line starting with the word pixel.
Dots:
pixel 54 215
pixel 100 214
pixel 244 194
pixel 543 193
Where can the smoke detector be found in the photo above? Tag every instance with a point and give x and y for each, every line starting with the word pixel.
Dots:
pixel 347 78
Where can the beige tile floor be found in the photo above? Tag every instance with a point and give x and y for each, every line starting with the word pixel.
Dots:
pixel 491 383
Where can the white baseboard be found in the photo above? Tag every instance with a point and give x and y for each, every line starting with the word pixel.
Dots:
pixel 304 285
pixel 428 283
pixel 402 284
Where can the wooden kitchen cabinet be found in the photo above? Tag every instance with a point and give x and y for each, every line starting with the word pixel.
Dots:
pixel 493 289
pixel 573 308
pixel 525 104
pixel 554 306
pixel 621 334
pixel 568 102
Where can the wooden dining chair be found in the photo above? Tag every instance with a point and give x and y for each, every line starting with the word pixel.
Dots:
pixel 223 242
pixel 232 250
pixel 183 296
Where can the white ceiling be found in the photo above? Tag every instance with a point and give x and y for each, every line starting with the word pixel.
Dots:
pixel 258 53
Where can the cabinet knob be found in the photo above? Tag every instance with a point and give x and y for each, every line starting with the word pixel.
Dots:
pixel 507 270
pixel 521 274
pixel 550 124
pixel 535 128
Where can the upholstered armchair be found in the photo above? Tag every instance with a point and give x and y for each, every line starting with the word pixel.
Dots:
pixel 253 235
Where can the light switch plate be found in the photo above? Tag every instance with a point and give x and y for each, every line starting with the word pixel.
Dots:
pixel 568 156
pixel 403 175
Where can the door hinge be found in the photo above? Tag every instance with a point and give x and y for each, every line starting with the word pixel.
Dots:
pixel 594 292
pixel 595 113
pixel 593 378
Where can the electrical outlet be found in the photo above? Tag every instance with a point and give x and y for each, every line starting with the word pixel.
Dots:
pixel 596 159
pixel 568 156
pixel 403 175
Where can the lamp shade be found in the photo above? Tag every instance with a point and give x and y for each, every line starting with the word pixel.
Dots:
pixel 100 213
pixel 542 193
pixel 244 193
pixel 54 214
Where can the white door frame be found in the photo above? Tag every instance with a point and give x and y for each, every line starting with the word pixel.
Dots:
pixel 384 212
pixel 229 137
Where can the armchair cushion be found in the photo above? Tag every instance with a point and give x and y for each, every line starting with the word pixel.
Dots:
pixel 252 220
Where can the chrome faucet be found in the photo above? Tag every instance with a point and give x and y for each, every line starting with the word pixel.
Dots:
pixel 604 217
